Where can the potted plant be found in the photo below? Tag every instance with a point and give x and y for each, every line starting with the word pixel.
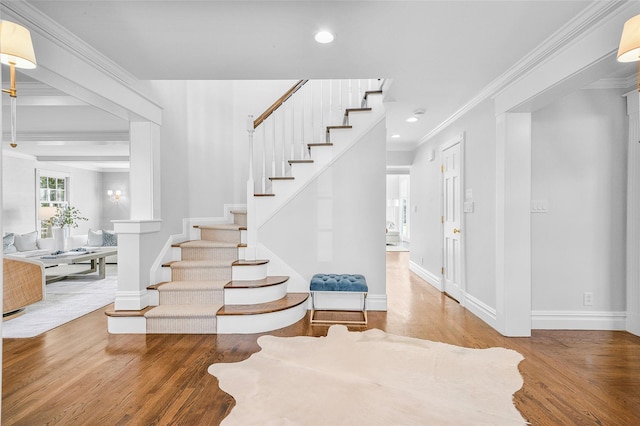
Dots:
pixel 66 217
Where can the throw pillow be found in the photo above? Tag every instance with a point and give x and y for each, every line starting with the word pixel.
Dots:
pixel 94 239
pixel 7 244
pixel 27 242
pixel 109 238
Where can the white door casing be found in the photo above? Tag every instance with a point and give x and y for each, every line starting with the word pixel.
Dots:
pixel 452 271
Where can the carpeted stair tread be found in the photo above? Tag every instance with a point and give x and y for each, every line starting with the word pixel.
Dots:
pixel 265 282
pixel 243 262
pixel 192 285
pixel 140 313
pixel 290 300
pixel 183 311
pixel 187 264
pixel 206 244
pixel 223 227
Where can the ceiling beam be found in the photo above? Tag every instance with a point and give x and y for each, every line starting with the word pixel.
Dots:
pixel 98 136
pixel 82 158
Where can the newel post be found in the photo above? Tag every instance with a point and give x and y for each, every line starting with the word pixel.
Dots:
pixel 250 251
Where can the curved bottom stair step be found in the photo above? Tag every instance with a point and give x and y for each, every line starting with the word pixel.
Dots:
pixel 251 292
pixel 261 317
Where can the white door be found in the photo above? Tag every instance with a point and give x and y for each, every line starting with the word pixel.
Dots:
pixel 451 170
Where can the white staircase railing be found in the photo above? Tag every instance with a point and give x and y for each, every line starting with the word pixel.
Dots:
pixel 283 132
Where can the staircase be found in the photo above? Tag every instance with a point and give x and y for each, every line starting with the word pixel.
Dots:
pixel 210 291
pixel 211 285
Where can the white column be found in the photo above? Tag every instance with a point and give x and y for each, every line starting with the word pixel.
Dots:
pixel 144 170
pixel 135 236
pixel 633 214
pixel 250 250
pixel 513 224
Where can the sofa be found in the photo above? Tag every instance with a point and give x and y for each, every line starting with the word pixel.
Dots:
pixel 23 284
pixel 23 246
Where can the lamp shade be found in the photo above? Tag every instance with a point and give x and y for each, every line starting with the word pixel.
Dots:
pixel 629 50
pixel 46 213
pixel 16 46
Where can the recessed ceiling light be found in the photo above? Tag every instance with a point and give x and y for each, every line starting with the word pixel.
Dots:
pixel 396 136
pixel 324 37
pixel 412 119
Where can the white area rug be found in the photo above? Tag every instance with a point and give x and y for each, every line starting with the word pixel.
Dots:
pixel 371 378
pixel 64 301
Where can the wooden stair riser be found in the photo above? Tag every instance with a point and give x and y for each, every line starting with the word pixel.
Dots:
pixel 209 253
pixel 223 235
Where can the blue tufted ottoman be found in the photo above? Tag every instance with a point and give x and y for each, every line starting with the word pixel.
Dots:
pixel 338 283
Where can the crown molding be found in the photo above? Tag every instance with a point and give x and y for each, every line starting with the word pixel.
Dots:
pixel 51 30
pixel 586 20
pixel 30 16
pixel 614 83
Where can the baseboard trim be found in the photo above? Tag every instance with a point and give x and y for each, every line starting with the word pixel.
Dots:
pixel 127 325
pixel 131 300
pixel 376 302
pixel 480 309
pixel 633 323
pixel 431 278
pixel 578 320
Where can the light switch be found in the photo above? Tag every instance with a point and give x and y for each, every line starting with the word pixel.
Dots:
pixel 468 206
pixel 468 193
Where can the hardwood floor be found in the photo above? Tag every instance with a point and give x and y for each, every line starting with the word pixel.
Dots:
pixel 79 374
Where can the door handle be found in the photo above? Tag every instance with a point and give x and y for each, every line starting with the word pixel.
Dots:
pixel 456 231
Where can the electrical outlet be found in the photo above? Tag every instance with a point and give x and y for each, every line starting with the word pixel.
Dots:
pixel 421 260
pixel 587 298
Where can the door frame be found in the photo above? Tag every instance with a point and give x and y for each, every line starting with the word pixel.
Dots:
pixel 460 139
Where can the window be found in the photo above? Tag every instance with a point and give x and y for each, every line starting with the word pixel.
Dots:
pixel 52 193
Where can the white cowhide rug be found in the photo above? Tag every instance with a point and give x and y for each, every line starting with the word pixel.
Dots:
pixel 371 378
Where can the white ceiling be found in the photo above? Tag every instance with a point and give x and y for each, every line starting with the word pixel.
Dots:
pixel 439 54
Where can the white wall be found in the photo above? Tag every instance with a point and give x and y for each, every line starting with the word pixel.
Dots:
pixel 20 198
pixel 579 168
pixel 204 143
pixel 336 224
pixel 479 131
pixel 115 210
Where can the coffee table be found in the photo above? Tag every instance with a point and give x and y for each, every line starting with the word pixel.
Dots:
pixel 97 258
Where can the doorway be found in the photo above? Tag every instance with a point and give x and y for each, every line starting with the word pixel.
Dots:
pixel 452 229
pixel 397 226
